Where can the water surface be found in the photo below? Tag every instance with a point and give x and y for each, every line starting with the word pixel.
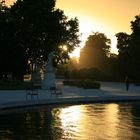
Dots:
pixel 110 121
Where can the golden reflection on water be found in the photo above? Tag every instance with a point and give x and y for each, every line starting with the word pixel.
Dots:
pixel 111 120
pixel 70 118
pixel 98 121
pixel 86 122
pixel 126 126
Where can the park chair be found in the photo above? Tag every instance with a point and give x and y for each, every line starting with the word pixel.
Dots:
pixel 31 91
pixel 56 90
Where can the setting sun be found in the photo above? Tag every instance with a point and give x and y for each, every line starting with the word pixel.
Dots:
pixel 76 53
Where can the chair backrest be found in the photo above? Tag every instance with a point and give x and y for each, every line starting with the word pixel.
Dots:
pixel 53 88
pixel 60 86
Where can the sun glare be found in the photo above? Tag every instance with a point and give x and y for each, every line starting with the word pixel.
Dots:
pixel 9 2
pixel 65 48
pixel 75 53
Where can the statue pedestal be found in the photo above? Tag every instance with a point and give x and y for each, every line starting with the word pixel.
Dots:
pixel 49 80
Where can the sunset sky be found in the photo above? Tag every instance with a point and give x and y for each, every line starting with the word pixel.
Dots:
pixel 106 16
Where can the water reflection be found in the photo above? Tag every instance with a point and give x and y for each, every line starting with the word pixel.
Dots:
pixel 70 120
pixel 77 122
pixel 109 121
pixel 97 121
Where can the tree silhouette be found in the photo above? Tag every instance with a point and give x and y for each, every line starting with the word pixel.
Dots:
pixel 41 29
pixel 135 49
pixel 31 29
pixel 12 58
pixel 95 52
pixel 123 45
pixel 129 51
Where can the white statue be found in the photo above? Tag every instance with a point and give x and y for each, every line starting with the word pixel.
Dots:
pixel 49 76
pixel 49 64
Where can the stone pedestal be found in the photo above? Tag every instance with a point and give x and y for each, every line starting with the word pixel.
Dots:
pixel 49 80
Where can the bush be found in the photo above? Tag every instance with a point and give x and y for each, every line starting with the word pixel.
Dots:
pixel 87 84
pixel 91 84
pixel 85 73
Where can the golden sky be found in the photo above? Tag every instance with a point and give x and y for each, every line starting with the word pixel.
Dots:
pixel 106 16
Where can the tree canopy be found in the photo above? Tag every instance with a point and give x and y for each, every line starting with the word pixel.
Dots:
pixel 31 29
pixel 42 28
pixel 95 51
pixel 129 51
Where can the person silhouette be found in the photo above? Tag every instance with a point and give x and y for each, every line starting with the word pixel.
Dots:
pixel 127 83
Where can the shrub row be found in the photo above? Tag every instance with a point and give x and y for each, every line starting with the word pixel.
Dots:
pixel 87 84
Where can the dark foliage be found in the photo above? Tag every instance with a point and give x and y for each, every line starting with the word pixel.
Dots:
pixel 30 30
pixel 87 84
pixel 129 51
pixel 95 52
pixel 84 73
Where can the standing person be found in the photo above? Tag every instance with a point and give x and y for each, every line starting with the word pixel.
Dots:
pixel 127 83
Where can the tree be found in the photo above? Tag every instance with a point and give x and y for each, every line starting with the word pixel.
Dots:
pixel 12 58
pixel 95 52
pixel 41 29
pixel 31 29
pixel 123 45
pixel 135 49
pixel 129 51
